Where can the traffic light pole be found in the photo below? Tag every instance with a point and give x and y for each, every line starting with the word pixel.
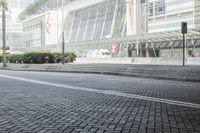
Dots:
pixel 183 50
pixel 184 31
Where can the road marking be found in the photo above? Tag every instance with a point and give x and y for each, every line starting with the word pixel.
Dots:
pixel 107 92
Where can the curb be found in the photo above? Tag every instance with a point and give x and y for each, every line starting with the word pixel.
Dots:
pixel 141 71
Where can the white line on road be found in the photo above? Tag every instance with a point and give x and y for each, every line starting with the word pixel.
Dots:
pixel 107 92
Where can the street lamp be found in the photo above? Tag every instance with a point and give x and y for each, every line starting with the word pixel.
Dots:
pixel 63 39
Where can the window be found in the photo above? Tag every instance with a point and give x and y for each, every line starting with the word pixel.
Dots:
pixel 160 7
pixel 150 9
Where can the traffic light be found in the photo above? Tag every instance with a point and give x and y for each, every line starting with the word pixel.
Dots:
pixel 184 27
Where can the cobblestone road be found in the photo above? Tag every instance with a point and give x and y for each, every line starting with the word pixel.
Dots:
pixel 32 107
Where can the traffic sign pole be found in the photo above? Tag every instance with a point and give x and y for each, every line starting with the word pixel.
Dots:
pixel 183 49
pixel 184 31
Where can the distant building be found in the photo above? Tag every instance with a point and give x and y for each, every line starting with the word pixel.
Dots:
pixel 14 35
pixel 40 32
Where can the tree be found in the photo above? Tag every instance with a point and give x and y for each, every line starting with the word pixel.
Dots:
pixel 4 5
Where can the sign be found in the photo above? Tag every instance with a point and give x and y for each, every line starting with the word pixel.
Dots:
pixel 131 17
pixel 51 28
pixel 114 48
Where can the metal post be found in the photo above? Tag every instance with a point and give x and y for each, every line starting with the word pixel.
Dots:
pixel 183 49
pixel 57 4
pixel 137 47
pixel 4 36
pixel 63 39
pixel 184 31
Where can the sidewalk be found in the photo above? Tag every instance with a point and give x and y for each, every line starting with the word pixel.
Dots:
pixel 142 71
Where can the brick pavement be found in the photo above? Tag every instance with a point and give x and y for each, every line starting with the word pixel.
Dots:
pixel 167 89
pixel 37 108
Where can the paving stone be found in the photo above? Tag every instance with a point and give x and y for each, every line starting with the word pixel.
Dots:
pixel 38 108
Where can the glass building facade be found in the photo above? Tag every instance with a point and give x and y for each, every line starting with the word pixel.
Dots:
pixel 132 28
pixel 99 21
pixel 101 25
pixel 167 15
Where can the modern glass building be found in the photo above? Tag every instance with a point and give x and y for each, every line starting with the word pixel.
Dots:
pixel 127 28
pixel 144 28
pixel 102 20
pixel 97 21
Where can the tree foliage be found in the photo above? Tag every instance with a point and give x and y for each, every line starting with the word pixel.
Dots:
pixel 40 6
pixel 4 4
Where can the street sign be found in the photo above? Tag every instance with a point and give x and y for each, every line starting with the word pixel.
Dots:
pixel 184 27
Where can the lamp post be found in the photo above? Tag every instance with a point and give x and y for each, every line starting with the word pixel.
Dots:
pixel 57 21
pixel 63 39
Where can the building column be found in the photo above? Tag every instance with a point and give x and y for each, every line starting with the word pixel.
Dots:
pixel 88 18
pixel 114 18
pixel 154 51
pixel 146 16
pixel 94 27
pixel 104 21
pixel 147 52
pixel 137 47
pixel 79 26
pixel 71 29
pixel 171 44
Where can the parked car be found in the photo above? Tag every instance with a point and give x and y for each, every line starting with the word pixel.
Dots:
pixel 99 53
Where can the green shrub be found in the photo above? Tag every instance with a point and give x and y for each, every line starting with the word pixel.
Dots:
pixel 38 57
pixel 15 58
pixel 57 57
pixel 70 57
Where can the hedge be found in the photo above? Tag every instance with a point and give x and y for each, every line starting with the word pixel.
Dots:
pixel 38 57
